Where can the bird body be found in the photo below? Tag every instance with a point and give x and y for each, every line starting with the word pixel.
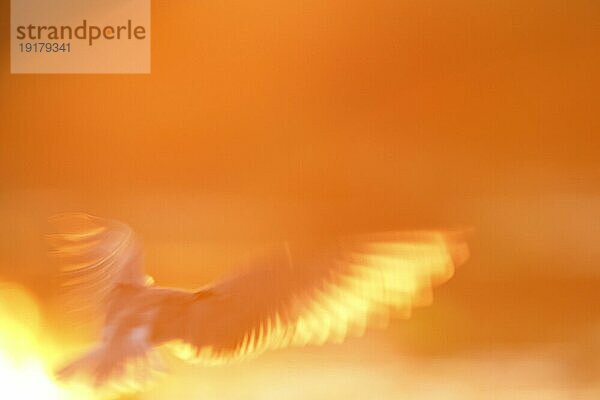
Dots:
pixel 294 296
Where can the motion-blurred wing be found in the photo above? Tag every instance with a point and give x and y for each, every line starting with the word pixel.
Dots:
pixel 311 296
pixel 96 257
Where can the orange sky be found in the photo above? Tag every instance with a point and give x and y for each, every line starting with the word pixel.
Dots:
pixel 269 120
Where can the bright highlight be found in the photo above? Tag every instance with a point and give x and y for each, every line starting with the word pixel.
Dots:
pixel 25 371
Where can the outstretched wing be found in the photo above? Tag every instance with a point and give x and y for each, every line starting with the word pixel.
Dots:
pixel 303 296
pixel 100 261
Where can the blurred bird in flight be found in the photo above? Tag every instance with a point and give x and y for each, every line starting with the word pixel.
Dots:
pixel 296 295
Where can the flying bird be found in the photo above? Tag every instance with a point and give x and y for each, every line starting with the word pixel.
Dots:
pixel 296 295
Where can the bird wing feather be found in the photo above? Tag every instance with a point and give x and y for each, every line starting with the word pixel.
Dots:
pixel 313 295
pixel 95 257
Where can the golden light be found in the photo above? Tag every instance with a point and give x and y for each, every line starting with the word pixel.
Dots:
pixel 25 353
pixel 289 120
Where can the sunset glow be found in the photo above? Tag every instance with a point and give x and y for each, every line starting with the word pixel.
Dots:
pixel 226 131
pixel 26 354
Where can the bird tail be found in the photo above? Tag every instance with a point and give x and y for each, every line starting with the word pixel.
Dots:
pixel 103 364
pixel 93 362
